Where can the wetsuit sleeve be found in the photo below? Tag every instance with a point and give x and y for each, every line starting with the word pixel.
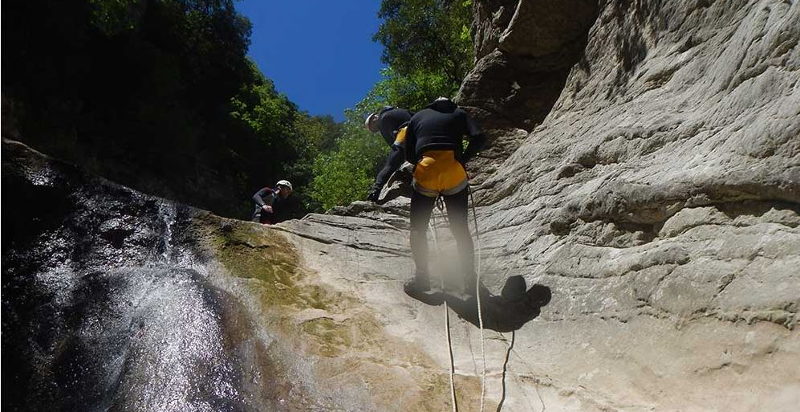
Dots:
pixel 259 196
pixel 472 126
pixel 393 162
pixel 476 144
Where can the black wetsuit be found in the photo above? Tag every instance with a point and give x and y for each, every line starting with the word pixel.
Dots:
pixel 269 196
pixel 390 120
pixel 442 126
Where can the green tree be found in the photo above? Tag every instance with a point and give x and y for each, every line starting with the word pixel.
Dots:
pixel 412 91
pixel 135 90
pixel 428 49
pixel 346 173
pixel 427 36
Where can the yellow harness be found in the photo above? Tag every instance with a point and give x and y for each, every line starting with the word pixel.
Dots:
pixel 438 172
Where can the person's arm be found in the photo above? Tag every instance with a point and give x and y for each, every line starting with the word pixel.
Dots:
pixel 477 140
pixel 393 162
pixel 259 196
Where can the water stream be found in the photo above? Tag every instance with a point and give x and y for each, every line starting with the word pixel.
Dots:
pixel 105 309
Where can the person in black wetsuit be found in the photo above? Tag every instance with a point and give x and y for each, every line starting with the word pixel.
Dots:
pixel 271 205
pixel 389 121
pixel 433 144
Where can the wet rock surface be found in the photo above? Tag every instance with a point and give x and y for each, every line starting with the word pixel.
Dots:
pixel 103 308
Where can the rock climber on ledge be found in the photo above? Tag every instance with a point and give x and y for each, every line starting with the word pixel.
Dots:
pixel 389 121
pixel 434 145
pixel 271 205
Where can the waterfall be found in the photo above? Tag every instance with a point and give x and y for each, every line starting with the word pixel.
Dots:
pixel 104 307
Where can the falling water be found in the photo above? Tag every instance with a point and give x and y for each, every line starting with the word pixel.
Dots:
pixel 105 309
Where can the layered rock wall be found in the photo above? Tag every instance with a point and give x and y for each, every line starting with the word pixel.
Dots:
pixel 657 196
pixel 659 199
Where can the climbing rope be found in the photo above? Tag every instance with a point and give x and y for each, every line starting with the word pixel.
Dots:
pixel 454 402
pixel 478 295
pixel 432 223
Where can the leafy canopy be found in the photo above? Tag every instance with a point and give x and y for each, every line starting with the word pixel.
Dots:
pixel 427 36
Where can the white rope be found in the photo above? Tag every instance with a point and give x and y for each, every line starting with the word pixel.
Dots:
pixel 434 231
pixel 432 224
pixel 478 294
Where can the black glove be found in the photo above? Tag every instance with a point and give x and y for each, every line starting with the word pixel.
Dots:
pixel 374 195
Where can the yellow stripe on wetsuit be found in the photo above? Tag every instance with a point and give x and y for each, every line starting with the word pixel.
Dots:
pixel 438 172
pixel 400 137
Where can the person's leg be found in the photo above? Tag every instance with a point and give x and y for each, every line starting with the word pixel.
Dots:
pixel 457 216
pixel 421 207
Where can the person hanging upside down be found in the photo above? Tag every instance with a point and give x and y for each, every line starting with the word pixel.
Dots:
pixel 434 145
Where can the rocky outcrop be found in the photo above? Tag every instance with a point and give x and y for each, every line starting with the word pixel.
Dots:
pixel 104 305
pixel 658 199
pixel 524 50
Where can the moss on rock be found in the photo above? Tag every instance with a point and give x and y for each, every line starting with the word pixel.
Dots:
pixel 340 332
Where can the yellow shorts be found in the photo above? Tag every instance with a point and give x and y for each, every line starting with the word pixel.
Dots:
pixel 438 172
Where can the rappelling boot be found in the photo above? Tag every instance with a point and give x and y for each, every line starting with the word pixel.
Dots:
pixel 420 289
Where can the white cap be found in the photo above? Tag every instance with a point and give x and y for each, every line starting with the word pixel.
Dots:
pixel 371 123
pixel 285 183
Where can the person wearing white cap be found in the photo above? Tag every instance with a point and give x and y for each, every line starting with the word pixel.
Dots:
pixel 390 122
pixel 271 205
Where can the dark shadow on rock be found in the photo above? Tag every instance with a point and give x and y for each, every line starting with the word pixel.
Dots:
pixel 431 298
pixel 515 306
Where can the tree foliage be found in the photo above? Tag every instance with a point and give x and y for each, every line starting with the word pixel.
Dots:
pixel 159 95
pixel 345 173
pixel 413 91
pixel 428 50
pixel 155 94
pixel 427 36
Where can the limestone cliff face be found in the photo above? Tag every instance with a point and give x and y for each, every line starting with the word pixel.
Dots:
pixel 657 195
pixel 659 200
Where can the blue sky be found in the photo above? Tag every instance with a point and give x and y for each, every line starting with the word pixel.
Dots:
pixel 319 53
